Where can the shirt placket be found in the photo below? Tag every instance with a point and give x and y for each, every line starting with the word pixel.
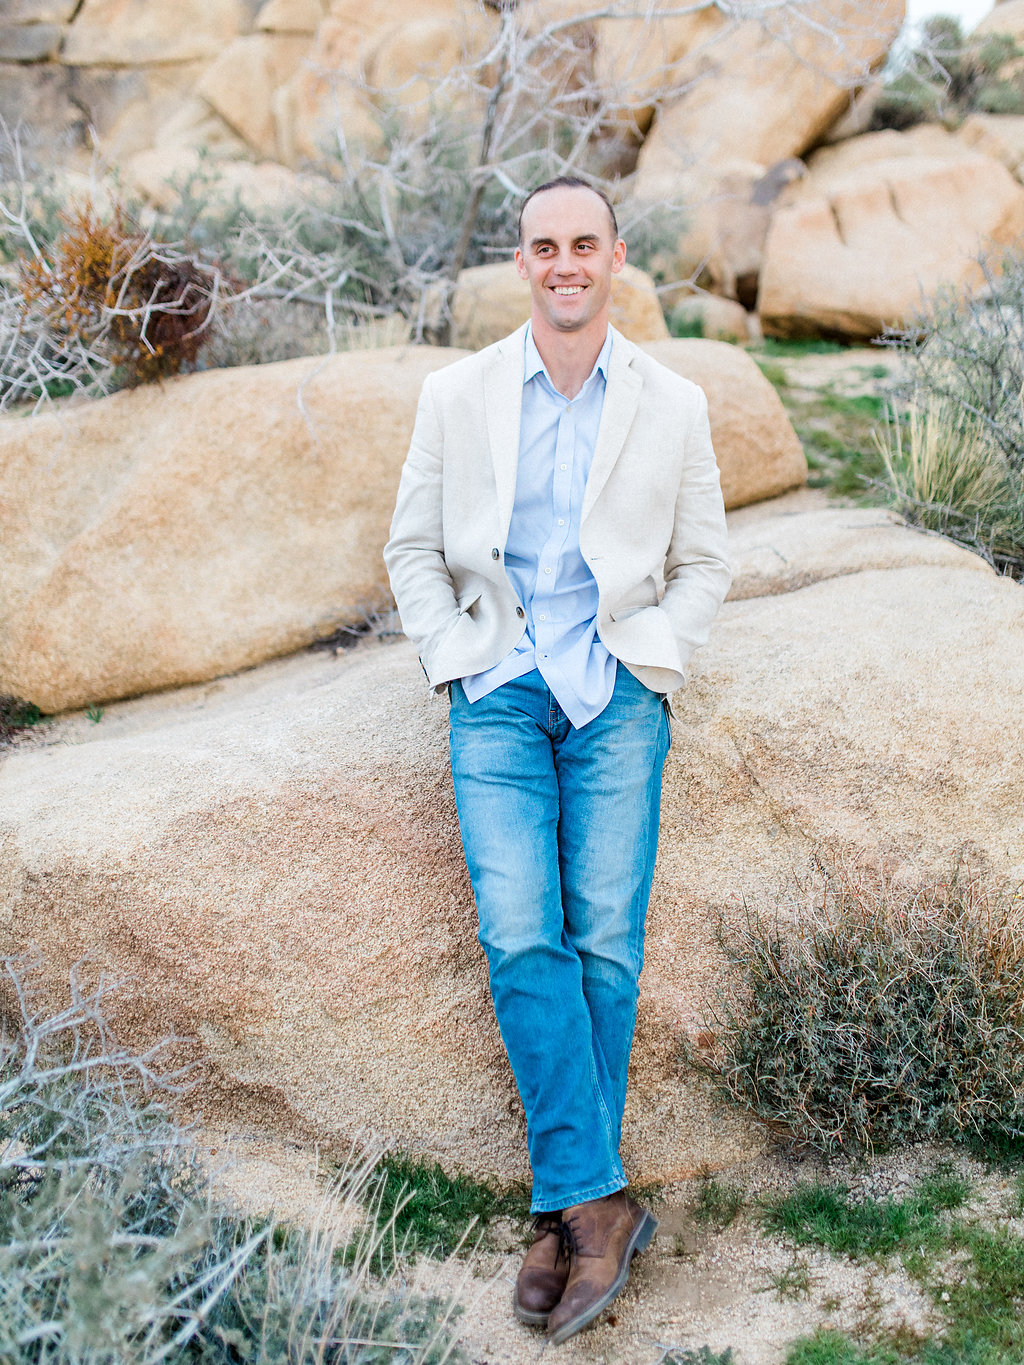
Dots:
pixel 561 509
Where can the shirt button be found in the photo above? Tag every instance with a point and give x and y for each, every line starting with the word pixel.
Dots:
pixel 561 521
pixel 547 570
pixel 561 466
pixel 520 612
pixel 542 617
pixel 495 553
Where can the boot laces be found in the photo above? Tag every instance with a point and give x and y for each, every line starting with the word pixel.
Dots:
pixel 551 1222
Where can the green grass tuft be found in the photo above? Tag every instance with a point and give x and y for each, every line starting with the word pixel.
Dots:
pixel 973 1273
pixel 692 1355
pixel 947 473
pixel 717 1202
pixel 774 373
pixel 823 1215
pixel 15 715
pixel 986 1298
pixel 794 349
pixel 418 1209
pixel 829 1347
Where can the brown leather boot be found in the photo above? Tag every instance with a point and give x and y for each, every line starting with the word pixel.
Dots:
pixel 605 1235
pixel 543 1273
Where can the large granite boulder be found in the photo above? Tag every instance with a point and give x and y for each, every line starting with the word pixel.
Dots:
pixel 179 531
pixel 136 32
pixel 273 865
pixel 241 83
pixel 727 213
pixel 489 301
pixel 997 135
pixel 716 318
pixel 765 90
pixel 864 240
pixel 1005 17
pixel 38 11
pixel 759 453
pixel 291 16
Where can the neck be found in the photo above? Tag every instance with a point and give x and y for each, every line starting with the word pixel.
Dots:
pixel 569 357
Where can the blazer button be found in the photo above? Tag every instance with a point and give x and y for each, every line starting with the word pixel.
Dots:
pixel 520 612
pixel 495 554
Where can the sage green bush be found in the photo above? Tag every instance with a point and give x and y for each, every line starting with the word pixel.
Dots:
pixel 885 1017
pixel 114 1247
pixel 946 75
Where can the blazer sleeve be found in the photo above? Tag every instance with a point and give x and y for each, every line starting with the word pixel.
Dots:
pixel 414 554
pixel 697 571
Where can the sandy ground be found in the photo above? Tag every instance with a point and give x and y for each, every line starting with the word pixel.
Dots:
pixel 695 1286
pixel 850 373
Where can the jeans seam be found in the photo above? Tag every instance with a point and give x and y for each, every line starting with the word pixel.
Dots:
pixel 595 1082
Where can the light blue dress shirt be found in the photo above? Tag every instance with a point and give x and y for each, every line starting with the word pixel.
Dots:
pixel 542 554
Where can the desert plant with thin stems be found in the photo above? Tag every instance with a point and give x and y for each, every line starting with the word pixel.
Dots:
pixel 92 299
pixel 944 472
pixel 390 225
pixel 954 452
pixel 887 1015
pixel 547 93
pixel 115 1247
pixel 946 75
pixel 966 345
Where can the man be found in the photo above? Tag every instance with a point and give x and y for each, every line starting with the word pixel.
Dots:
pixel 555 480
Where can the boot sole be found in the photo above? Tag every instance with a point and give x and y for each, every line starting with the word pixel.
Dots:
pixel 527 1315
pixel 640 1241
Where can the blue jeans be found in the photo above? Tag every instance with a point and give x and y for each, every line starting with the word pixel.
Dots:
pixel 560 830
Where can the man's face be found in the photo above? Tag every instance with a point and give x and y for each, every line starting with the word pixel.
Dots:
pixel 569 255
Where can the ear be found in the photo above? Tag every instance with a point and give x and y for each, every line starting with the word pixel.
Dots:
pixel 618 255
pixel 521 265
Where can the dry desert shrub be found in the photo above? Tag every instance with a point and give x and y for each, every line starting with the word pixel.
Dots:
pixel 946 75
pixel 104 305
pixel 884 1016
pixel 114 1246
pixel 946 474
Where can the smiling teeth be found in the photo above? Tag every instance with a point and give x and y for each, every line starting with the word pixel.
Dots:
pixel 568 289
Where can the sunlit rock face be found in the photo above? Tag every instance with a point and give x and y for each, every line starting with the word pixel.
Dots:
pixel 272 862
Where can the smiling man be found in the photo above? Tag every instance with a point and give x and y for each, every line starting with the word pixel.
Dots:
pixel 557 552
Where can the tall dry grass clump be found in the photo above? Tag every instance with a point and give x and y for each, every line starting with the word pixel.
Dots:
pixel 947 474
pixel 884 1016
pixel 954 456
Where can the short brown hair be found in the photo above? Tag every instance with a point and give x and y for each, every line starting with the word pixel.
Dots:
pixel 568 182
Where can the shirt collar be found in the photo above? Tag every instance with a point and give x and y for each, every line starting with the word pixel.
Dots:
pixel 535 366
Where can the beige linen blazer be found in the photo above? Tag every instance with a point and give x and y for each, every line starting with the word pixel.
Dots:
pixel 652 528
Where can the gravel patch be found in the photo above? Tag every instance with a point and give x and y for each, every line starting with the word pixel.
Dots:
pixel 696 1286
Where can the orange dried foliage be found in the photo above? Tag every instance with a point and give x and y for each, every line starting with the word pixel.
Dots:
pixel 111 290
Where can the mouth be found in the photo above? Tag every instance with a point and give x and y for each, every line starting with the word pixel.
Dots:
pixel 567 289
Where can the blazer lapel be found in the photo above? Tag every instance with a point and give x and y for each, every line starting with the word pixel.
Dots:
pixel 503 403
pixel 621 396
